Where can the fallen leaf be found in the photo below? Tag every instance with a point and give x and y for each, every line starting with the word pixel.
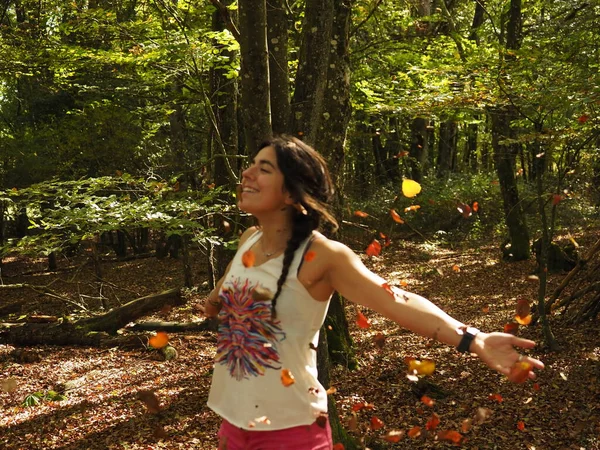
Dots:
pixel 456 268
pixel 511 328
pixel 374 248
pixel 376 423
pixel 450 435
pixel 496 397
pixel 482 415
pixel 394 436
pixel 8 385
pixel 521 425
pixel 466 425
pixel 519 372
pixel 338 446
pixel 414 432
pixel 428 401
pixel 433 422
pixel 149 399
pixel 420 367
pixel 379 340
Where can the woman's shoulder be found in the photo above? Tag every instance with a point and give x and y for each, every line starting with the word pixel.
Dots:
pixel 246 235
pixel 327 247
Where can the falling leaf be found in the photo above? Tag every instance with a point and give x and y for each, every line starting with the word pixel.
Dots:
pixel 338 446
pixel 387 242
pixel 382 236
pixel 362 321
pixel 379 340
pixel 262 294
pixel 475 206
pixel 420 367
pixel 536 386
pixel 149 399
pixel 465 210
pixel 376 423
pixel 450 435
pixel 358 406
pixel 534 278
pixel 322 420
pixel 226 226
pixel 485 309
pixel 540 155
pixel 456 268
pixel 331 390
pixel 466 425
pixel 583 118
pixel 388 289
pixel 263 419
pixel 414 432
pixel 521 425
pixel 394 436
pixel 404 283
pixel 360 214
pixel 287 379
pixel 524 320
pixel 523 308
pixel 511 328
pixel 159 340
pixel 519 372
pixel 433 422
pixel 410 188
pixel 374 248
pixel 412 208
pixel 396 216
pixel 8 385
pixel 556 198
pixel 248 259
pixel 428 401
pixel 496 397
pixel 309 256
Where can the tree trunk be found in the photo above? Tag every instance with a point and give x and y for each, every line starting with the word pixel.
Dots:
pixel 311 77
pixel 254 72
pixel 419 148
pixel 95 331
pixel 277 40
pixel 446 148
pixel 504 159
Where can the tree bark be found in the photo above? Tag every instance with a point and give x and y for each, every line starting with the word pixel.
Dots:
pixel 254 72
pixel 311 77
pixel 277 40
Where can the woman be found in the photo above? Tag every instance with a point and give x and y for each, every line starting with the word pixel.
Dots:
pixel 273 299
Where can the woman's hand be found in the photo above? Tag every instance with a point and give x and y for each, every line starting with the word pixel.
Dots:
pixel 498 351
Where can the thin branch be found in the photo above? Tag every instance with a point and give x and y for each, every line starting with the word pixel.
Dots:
pixel 226 15
pixel 366 19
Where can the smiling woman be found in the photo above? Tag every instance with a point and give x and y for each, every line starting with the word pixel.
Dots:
pixel 273 299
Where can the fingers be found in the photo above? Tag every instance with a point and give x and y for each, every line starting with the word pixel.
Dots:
pixel 523 343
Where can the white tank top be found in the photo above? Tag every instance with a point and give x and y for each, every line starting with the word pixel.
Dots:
pixel 252 349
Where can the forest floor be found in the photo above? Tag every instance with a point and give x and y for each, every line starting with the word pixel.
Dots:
pixel 559 410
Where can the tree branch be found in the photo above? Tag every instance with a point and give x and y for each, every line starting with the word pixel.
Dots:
pixel 227 18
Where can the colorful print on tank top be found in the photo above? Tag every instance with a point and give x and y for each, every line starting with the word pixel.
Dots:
pixel 248 336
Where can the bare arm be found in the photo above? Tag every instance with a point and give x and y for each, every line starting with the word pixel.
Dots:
pixel 348 275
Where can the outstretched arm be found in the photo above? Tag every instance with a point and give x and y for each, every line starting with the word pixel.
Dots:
pixel 349 276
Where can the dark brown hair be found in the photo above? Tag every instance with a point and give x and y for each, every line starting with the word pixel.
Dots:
pixel 306 179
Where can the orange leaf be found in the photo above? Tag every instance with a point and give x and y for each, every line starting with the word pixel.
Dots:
pixel 465 210
pixel 556 198
pixel 360 214
pixel 536 386
pixel 374 248
pixel 456 268
pixel 466 425
pixel 414 431
pixel 388 289
pixel 362 321
pixel 287 379
pixel 496 397
pixel 382 236
pixel 583 118
pixel 475 206
pixel 159 340
pixel 519 372
pixel 428 401
pixel 412 208
pixel 511 328
pixel 433 422
pixel 524 320
pixel 450 435
pixel 396 216
pixel 248 258
pixel 420 367
pixel 376 423
pixel 521 425
pixel 404 283
pixel 485 309
pixel 358 406
pixel 394 436
pixel 338 446
pixel 309 256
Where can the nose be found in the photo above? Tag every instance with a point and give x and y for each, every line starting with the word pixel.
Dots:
pixel 248 172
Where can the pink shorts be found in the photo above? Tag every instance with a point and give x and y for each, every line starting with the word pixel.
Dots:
pixel 304 437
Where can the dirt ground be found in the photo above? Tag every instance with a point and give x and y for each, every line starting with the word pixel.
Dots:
pixel 559 410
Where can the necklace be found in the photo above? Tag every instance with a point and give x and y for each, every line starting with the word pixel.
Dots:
pixel 268 254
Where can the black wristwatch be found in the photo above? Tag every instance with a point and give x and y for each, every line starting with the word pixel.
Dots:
pixel 468 334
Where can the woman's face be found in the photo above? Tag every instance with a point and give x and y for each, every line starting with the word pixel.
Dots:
pixel 262 185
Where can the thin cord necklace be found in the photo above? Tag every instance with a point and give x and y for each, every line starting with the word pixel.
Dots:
pixel 268 254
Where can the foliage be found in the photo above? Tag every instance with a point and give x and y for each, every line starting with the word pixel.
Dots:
pixel 63 213
pixel 41 396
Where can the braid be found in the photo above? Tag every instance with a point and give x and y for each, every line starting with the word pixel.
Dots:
pixel 300 231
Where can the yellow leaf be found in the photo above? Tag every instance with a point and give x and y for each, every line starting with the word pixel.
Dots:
pixel 410 188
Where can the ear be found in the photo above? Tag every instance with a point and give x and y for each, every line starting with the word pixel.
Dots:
pixel 289 200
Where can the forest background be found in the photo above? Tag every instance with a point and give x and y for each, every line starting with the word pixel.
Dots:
pixel 126 124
